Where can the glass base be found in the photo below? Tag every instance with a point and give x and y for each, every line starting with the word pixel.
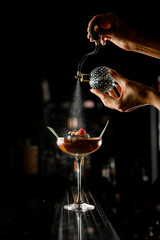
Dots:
pixel 79 207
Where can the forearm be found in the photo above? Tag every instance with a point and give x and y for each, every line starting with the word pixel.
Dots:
pixel 147 46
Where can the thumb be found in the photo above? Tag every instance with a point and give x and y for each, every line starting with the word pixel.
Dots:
pixel 99 94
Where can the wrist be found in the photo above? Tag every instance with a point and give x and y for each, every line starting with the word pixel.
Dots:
pixel 153 98
pixel 145 45
pixel 156 99
pixel 136 43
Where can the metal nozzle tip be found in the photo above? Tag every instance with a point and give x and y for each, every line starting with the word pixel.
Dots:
pixel 78 78
pixel 97 42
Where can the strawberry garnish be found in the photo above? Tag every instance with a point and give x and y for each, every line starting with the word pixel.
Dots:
pixel 80 134
pixel 81 131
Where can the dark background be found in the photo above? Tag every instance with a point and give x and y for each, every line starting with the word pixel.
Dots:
pixel 46 41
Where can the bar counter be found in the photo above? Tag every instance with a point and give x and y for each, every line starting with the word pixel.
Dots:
pixel 79 225
pixel 32 209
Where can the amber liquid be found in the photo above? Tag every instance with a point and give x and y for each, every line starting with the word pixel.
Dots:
pixel 79 147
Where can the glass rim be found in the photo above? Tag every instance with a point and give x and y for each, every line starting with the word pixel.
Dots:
pixel 77 138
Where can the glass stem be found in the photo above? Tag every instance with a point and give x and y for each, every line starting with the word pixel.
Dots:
pixel 79 200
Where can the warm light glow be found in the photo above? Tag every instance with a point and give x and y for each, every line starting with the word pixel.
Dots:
pixel 88 104
pixel 72 123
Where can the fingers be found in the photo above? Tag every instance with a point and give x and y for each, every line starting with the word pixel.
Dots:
pixel 103 39
pixel 119 89
pixel 107 100
pixel 105 34
pixel 97 28
pixel 106 21
pixel 118 78
pixel 113 94
pixel 88 29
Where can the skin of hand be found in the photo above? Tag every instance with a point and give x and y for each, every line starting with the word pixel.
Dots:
pixel 131 95
pixel 112 28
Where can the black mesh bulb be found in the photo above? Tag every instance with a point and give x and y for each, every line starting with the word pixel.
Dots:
pixel 101 80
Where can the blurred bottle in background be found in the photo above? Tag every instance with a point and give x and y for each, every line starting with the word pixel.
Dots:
pixel 30 157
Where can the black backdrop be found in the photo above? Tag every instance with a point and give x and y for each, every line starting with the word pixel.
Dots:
pixel 47 41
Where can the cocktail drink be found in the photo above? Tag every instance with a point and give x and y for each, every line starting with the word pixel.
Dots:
pixel 79 146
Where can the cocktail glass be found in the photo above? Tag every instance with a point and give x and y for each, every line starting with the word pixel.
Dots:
pixel 79 148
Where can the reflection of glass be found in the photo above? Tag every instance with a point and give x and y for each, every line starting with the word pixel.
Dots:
pixel 79 220
pixel 79 147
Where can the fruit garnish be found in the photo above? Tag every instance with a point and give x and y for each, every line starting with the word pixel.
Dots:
pixel 81 132
pixel 72 133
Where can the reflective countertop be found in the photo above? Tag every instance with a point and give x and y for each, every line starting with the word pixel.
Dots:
pixel 32 208
pixel 77 225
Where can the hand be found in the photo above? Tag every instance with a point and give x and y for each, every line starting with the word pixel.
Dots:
pixel 112 28
pixel 131 95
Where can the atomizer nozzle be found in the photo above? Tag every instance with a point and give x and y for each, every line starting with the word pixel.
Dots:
pixel 82 77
